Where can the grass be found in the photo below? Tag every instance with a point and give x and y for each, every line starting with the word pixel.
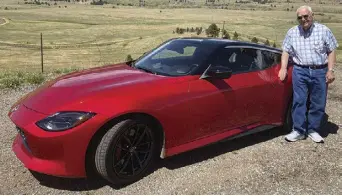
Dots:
pixel 84 36
pixel 16 79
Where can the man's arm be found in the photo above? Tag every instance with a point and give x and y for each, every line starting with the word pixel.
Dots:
pixel 284 60
pixel 331 60
pixel 331 63
pixel 283 69
pixel 331 44
pixel 287 48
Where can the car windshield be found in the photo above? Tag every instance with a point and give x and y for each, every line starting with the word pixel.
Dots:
pixel 175 58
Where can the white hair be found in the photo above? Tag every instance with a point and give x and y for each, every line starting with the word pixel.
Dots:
pixel 305 7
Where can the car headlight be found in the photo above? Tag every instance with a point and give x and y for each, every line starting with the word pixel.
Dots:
pixel 64 120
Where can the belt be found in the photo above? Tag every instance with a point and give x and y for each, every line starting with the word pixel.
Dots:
pixel 313 66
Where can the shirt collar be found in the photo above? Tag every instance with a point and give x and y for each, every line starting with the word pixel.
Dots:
pixel 307 32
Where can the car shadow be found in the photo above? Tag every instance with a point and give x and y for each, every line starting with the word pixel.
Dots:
pixel 219 84
pixel 219 148
pixel 177 161
pixel 214 150
pixel 70 184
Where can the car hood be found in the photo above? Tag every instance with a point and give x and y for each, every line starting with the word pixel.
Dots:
pixel 77 87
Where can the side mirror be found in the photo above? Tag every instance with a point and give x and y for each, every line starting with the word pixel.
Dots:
pixel 217 72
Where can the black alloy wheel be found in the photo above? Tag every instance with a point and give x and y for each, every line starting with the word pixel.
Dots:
pixel 127 151
pixel 132 150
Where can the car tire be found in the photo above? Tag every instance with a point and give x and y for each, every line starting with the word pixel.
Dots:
pixel 126 152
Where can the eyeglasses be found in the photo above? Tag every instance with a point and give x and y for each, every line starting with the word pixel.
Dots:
pixel 305 17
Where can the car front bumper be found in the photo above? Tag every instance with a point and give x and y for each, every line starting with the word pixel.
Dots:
pixel 54 153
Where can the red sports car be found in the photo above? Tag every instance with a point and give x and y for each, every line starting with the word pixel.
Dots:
pixel 184 94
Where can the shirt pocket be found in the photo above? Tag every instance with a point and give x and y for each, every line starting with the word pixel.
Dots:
pixel 319 46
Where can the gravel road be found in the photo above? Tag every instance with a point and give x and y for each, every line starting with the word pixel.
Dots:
pixel 263 163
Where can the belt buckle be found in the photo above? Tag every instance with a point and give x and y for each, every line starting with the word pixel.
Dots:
pixel 316 66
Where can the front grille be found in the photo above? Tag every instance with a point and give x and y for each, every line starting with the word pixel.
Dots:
pixel 23 137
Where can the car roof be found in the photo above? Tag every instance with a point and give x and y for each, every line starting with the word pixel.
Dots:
pixel 220 42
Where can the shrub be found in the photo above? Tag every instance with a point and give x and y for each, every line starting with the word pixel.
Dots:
pixel 267 42
pixel 100 2
pixel 57 71
pixel 236 36
pixel 213 30
pixel 129 58
pixel 65 70
pixel 35 78
pixel 198 30
pixel 255 40
pixel 20 74
pixel 225 35
pixel 11 82
pixel 180 30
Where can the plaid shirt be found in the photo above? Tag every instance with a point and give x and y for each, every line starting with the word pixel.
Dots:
pixel 311 47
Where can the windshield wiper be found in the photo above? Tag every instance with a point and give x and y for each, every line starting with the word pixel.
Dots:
pixel 131 63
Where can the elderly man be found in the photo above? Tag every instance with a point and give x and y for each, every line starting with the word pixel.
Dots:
pixel 312 47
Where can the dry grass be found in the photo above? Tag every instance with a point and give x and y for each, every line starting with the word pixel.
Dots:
pixel 87 36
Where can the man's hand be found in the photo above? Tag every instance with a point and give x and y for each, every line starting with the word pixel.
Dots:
pixel 330 77
pixel 282 74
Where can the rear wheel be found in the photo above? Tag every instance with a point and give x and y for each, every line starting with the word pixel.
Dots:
pixel 126 152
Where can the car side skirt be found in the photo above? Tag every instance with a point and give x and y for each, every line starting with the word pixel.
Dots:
pixel 227 135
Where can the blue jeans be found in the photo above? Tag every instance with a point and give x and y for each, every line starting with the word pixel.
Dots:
pixel 313 82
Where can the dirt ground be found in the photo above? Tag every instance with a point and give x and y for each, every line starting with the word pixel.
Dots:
pixel 262 163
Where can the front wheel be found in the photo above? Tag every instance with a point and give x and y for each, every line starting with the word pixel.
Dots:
pixel 126 152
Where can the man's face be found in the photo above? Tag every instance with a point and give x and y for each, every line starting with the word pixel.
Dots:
pixel 304 18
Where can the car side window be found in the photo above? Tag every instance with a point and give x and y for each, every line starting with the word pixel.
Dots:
pixel 271 58
pixel 247 60
pixel 239 60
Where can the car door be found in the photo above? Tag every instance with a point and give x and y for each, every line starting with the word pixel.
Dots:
pixel 281 91
pixel 223 104
pixel 253 80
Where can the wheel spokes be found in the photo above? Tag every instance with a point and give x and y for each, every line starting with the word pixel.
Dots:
pixel 125 164
pixel 127 140
pixel 143 144
pixel 137 157
pixel 132 164
pixel 141 137
pixel 133 149
pixel 122 159
pixel 136 134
